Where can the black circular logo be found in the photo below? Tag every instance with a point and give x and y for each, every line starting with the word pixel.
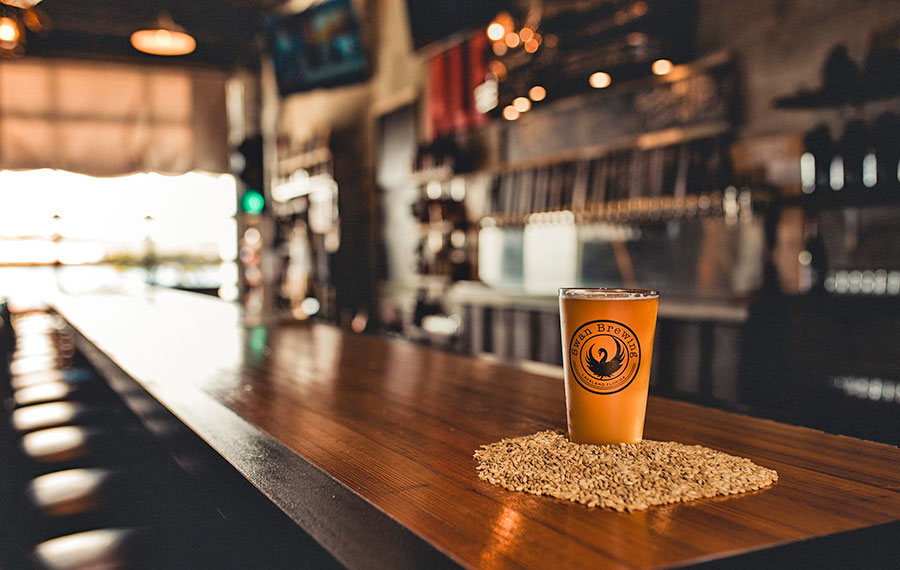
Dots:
pixel 604 356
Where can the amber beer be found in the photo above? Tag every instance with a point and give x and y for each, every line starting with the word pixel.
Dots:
pixel 607 341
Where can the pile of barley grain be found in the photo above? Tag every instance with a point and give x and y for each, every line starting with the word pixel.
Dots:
pixel 624 477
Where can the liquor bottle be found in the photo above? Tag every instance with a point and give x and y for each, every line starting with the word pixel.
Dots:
pixel 881 73
pixel 599 175
pixel 541 189
pixel 853 149
pixel 580 185
pixel 886 143
pixel 815 165
pixel 842 79
pixel 721 167
pixel 813 261
pixel 525 192
pixel 555 198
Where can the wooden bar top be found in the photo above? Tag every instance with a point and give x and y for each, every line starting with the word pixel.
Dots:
pixel 367 444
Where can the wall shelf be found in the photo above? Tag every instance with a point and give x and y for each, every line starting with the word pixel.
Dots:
pixel 822 99
pixel 877 196
pixel 656 209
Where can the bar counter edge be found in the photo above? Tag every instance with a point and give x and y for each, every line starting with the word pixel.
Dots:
pixel 246 472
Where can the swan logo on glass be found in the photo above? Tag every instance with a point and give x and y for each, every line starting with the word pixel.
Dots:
pixel 604 356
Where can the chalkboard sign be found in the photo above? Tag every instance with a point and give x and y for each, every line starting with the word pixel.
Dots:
pixel 704 94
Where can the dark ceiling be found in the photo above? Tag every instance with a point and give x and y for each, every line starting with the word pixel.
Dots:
pixel 100 29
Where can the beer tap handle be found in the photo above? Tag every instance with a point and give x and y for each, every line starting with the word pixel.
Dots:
pixel 681 176
pixel 540 189
pixel 507 194
pixel 637 174
pixel 494 206
pixel 556 180
pixel 526 191
pixel 601 173
pixel 655 167
pixel 580 185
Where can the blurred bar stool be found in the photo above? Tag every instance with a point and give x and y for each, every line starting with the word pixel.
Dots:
pixel 36 322
pixel 31 342
pixel 34 348
pixel 67 376
pixel 31 364
pixel 66 446
pixel 7 335
pixel 57 392
pixel 71 491
pixel 32 336
pixel 76 500
pixel 55 414
pixel 37 350
pixel 34 344
pixel 101 549
pixel 111 444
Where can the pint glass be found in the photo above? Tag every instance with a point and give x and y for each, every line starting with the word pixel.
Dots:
pixel 607 341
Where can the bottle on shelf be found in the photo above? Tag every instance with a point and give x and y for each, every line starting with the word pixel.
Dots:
pixel 842 78
pixel 886 144
pixel 852 149
pixel 816 162
pixel 881 72
pixel 813 261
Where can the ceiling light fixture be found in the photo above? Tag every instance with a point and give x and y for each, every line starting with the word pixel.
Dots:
pixel 167 38
pixel 10 36
pixel 9 30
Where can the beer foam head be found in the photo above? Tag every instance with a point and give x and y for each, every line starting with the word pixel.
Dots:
pixel 602 293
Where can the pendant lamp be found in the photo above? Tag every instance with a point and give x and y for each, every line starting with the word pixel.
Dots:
pixel 166 38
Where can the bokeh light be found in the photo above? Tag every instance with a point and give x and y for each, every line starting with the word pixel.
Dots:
pixel 537 93
pixel 495 31
pixel 510 113
pixel 661 67
pixel 600 80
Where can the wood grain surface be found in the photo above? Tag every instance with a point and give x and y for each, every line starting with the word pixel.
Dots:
pixel 397 424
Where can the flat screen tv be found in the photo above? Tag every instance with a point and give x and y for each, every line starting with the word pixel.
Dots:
pixel 319 47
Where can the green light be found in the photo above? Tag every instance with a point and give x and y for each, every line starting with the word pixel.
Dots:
pixel 252 202
pixel 256 342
